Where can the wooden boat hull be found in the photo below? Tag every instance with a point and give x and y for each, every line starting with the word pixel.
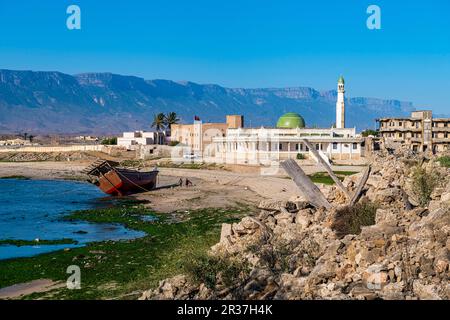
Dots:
pixel 123 181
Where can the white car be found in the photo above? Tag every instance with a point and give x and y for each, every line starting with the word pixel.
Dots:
pixel 190 156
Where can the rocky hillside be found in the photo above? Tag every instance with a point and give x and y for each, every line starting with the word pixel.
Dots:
pixel 94 103
pixel 393 244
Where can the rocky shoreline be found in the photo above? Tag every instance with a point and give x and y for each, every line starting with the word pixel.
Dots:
pixel 397 248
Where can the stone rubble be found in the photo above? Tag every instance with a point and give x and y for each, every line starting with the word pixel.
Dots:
pixel 294 253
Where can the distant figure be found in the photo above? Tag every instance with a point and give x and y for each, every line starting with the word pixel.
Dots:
pixel 180 183
pixel 188 183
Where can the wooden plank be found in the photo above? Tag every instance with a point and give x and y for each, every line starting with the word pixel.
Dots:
pixel 361 184
pixel 328 169
pixel 309 190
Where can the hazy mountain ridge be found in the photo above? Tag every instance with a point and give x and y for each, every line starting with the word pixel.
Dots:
pixel 54 102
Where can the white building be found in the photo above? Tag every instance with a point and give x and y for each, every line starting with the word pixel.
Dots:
pixel 287 140
pixel 15 142
pixel 136 138
pixel 340 104
pixel 86 138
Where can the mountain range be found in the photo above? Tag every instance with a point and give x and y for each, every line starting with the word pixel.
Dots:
pixel 106 103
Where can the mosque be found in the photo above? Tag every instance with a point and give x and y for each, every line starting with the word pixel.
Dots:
pixel 287 140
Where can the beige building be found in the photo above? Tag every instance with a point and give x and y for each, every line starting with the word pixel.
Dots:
pixel 420 132
pixel 198 135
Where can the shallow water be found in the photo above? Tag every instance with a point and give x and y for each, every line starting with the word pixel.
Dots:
pixel 31 209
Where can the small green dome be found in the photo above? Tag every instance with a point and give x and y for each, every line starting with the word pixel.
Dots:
pixel 291 120
pixel 341 80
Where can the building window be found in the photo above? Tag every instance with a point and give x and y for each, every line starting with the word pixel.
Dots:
pixel 355 146
pixel 317 146
pixel 335 145
pixel 400 123
pixel 280 146
pixel 296 147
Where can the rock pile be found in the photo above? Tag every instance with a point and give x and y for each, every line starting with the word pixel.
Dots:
pixel 292 250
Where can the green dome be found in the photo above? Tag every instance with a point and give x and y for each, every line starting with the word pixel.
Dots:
pixel 341 80
pixel 291 120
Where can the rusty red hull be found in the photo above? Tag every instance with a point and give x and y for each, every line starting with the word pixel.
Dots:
pixel 123 181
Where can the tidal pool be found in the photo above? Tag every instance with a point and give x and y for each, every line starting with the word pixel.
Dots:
pixel 32 209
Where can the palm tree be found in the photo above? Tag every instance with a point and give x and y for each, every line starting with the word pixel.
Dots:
pixel 158 121
pixel 171 118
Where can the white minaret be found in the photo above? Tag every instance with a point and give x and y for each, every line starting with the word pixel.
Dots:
pixel 340 104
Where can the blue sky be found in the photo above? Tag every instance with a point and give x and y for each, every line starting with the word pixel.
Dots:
pixel 246 43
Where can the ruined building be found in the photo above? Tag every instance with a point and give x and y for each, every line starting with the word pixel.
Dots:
pixel 420 132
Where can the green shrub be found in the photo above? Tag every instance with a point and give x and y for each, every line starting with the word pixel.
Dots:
pixel 203 269
pixel 207 269
pixel 369 132
pixel 131 163
pixel 285 256
pixel 174 143
pixel 423 184
pixel 300 156
pixel 15 177
pixel 444 161
pixel 349 220
pixel 276 258
pixel 109 141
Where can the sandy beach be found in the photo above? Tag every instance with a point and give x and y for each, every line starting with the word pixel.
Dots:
pixel 211 188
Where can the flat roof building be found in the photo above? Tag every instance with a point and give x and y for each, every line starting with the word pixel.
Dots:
pixel 420 132
pixel 288 140
pixel 135 138
pixel 198 135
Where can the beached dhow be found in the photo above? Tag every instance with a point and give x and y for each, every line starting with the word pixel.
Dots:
pixel 115 180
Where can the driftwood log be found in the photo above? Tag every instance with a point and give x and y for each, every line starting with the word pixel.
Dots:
pixel 361 184
pixel 328 169
pixel 309 190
